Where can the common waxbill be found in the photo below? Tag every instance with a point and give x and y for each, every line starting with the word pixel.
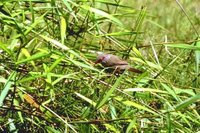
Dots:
pixel 115 63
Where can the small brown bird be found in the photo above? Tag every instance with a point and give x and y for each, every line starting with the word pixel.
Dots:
pixel 115 63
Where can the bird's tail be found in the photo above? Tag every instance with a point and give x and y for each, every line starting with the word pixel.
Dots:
pixel 134 70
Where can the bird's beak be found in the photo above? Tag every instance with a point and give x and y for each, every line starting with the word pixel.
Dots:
pixel 97 61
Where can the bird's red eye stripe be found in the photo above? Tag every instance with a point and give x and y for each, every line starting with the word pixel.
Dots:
pixel 102 58
pixel 99 60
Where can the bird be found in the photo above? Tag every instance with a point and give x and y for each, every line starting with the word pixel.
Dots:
pixel 114 63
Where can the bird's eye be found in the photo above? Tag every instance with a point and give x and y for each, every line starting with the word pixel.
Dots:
pixel 102 58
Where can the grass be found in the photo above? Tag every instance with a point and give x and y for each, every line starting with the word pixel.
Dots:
pixel 49 82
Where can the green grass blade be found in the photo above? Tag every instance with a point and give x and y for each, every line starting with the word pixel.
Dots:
pixel 33 57
pixel 63 27
pixel 88 100
pixel 183 46
pixel 12 127
pixel 55 42
pixel 63 47
pixel 32 26
pixel 70 8
pixel 131 125
pixel 4 48
pixel 170 91
pixel 109 93
pixel 56 63
pixel 144 90
pixel 52 130
pixel 136 105
pixel 16 103
pixel 187 102
pixel 7 87
pixel 120 33
pixel 102 13
pixel 197 57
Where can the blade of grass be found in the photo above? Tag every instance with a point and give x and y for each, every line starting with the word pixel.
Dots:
pixel 134 104
pixel 27 54
pixel 32 26
pixel 63 47
pixel 111 128
pixel 7 87
pixel 187 102
pixel 63 27
pixel 120 33
pixel 131 125
pixel 89 101
pixel 69 8
pixel 109 93
pixel 12 127
pixel 86 99
pixel 102 13
pixel 171 91
pixel 4 47
pixel 33 57
pixel 56 63
pixel 197 57
pixel 144 90
pixel 16 103
pixel 183 46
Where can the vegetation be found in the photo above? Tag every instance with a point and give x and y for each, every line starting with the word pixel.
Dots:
pixel 50 83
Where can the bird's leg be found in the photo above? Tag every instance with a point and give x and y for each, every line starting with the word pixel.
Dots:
pixel 115 70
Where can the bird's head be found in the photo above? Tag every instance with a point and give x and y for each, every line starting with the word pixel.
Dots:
pixel 100 57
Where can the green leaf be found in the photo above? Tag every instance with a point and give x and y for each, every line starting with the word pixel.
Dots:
pixel 86 99
pixel 112 110
pixel 12 127
pixel 102 13
pixel 143 90
pixel 7 87
pixel 32 26
pixel 4 47
pixel 131 125
pixel 111 128
pixel 70 8
pixel 51 130
pixel 16 103
pixel 56 63
pixel 33 57
pixel 134 104
pixel 187 102
pixel 171 91
pixel 63 27
pixel 27 54
pixel 66 76
pixel 109 93
pixel 120 33
pixel 197 57
pixel 58 44
pixel 55 42
pixel 83 65
pixel 89 101
pixel 150 64
pixel 183 46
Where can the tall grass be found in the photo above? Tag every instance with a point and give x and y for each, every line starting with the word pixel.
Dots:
pixel 49 82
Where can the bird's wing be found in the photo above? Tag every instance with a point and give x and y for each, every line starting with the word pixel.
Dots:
pixel 115 60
